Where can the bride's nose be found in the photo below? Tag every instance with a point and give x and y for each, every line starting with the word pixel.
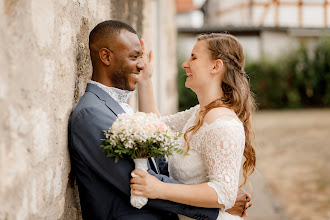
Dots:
pixel 185 65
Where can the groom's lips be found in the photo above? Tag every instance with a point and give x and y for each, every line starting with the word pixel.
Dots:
pixel 135 74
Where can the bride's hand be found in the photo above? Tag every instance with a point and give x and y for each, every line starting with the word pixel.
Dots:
pixel 146 73
pixel 146 185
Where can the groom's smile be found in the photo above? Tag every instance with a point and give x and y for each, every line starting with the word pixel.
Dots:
pixel 126 61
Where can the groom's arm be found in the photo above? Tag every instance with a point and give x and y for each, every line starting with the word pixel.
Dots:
pixel 87 128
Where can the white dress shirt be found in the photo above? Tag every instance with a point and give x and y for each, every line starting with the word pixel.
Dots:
pixel 119 95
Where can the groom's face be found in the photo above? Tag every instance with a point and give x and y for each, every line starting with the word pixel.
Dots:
pixel 127 61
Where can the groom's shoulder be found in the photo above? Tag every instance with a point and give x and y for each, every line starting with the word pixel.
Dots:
pixel 88 101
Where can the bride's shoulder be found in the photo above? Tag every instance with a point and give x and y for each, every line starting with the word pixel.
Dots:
pixel 220 113
pixel 191 109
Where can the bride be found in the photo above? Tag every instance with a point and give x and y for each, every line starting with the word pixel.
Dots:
pixel 217 132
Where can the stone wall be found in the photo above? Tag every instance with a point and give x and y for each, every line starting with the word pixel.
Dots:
pixel 45 65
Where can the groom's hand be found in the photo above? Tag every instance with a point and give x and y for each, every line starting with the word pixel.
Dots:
pixel 242 203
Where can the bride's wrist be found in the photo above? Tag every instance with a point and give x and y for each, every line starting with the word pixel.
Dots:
pixel 145 82
pixel 162 191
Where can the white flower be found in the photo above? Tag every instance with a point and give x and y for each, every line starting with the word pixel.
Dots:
pixel 130 130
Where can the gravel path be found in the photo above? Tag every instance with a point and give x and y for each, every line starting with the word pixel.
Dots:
pixel 293 162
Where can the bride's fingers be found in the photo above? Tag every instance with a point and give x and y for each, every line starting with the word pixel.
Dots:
pixel 137 180
pixel 137 187
pixel 140 173
pixel 137 193
pixel 151 56
pixel 143 45
pixel 145 56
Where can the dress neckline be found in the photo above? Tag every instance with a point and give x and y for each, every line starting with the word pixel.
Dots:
pixel 216 120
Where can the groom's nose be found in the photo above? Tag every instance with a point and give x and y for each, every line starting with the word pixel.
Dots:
pixel 140 65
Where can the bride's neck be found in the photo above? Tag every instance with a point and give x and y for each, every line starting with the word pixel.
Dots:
pixel 208 96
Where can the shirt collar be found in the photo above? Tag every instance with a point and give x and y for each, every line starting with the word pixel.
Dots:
pixel 117 94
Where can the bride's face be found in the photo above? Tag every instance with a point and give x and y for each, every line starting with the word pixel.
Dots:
pixel 199 66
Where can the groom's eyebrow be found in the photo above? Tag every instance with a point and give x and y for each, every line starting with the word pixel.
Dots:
pixel 137 52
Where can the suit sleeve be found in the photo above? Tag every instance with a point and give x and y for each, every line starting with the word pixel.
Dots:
pixel 87 128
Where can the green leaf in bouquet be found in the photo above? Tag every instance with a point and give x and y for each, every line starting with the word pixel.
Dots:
pixel 107 147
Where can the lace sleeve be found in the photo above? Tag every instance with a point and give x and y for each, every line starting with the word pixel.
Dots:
pixel 222 152
pixel 177 121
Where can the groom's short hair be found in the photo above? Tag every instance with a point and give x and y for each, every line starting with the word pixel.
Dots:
pixel 107 30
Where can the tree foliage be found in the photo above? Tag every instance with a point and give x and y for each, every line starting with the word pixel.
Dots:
pixel 297 79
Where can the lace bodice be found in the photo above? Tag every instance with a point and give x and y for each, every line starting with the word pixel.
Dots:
pixel 215 155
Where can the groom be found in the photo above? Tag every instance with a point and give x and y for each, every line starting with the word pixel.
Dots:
pixel 104 186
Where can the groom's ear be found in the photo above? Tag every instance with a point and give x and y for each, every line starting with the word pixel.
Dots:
pixel 105 56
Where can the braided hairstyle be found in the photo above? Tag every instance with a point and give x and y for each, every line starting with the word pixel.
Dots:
pixel 236 92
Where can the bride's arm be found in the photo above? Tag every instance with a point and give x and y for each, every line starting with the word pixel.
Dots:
pixel 146 97
pixel 222 154
pixel 200 195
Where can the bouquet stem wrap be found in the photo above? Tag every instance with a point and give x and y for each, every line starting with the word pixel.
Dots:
pixel 139 201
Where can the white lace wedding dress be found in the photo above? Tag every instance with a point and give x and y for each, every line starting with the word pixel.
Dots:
pixel 215 156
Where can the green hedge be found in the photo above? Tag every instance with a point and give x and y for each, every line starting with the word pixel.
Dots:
pixel 296 80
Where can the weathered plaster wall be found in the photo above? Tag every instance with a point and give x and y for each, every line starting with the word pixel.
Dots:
pixel 44 68
pixel 45 65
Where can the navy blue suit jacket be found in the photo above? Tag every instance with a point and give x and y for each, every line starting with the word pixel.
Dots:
pixel 104 186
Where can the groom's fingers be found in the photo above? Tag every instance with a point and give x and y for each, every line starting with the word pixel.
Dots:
pixel 248 196
pixel 248 205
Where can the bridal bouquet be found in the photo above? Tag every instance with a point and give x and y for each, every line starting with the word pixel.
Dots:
pixel 139 136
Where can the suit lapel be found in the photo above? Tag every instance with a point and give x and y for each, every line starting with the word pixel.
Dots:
pixel 153 164
pixel 109 101
pixel 116 109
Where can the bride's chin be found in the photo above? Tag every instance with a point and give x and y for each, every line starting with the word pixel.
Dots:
pixel 188 83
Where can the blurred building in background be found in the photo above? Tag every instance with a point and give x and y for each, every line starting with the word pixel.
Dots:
pixel 264 27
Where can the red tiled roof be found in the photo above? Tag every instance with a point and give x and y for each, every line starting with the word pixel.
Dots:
pixel 185 5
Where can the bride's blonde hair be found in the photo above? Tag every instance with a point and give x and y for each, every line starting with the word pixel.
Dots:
pixel 236 92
